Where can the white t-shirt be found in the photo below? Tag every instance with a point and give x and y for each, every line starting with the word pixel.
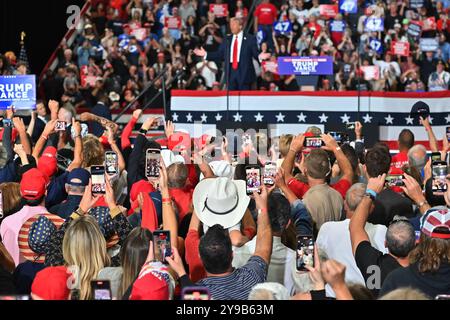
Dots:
pixel 334 240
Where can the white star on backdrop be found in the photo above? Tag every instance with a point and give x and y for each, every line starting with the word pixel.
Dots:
pixel 430 118
pixel 174 117
pixel 280 117
pixel 189 117
pixel 447 118
pixel 204 117
pixel 389 119
pixel 237 117
pixel 409 120
pixel 345 118
pixel 218 117
pixel 367 118
pixel 259 117
pixel 302 118
pixel 323 118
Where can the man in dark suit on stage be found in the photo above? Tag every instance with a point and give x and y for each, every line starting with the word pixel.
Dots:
pixel 237 51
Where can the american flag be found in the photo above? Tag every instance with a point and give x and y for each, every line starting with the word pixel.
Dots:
pixel 293 112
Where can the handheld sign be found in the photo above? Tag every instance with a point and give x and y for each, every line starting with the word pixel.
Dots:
pixel 19 91
pixel 328 10
pixel 400 48
pixel 429 44
pixel 219 10
pixel 371 72
pixel 348 6
pixel 429 24
pixel 374 24
pixel 414 30
pixel 322 65
pixel 337 26
pixel 282 27
pixel 376 45
pixel 172 22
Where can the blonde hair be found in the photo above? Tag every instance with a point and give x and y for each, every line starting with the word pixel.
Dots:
pixel 84 247
pixel 284 143
pixel 404 294
pixel 93 151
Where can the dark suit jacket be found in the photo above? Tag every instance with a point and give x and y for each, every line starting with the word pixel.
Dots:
pixel 249 50
pixel 389 204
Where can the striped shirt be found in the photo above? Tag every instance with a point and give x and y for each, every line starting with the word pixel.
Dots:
pixel 238 284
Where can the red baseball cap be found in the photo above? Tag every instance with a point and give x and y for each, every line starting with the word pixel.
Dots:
pixel 33 184
pixel 51 284
pixel 150 286
pixel 47 162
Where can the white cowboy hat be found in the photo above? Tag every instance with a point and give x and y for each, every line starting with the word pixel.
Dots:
pixel 220 201
pixel 170 158
pixel 221 169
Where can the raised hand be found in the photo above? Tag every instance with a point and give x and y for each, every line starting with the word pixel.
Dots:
pixel 200 52
pixel 376 184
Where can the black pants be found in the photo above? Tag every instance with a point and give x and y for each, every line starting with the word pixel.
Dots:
pixel 235 82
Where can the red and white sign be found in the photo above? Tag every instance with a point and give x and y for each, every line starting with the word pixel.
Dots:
pixel 219 10
pixel 172 22
pixel 140 34
pixel 328 10
pixel 429 24
pixel 371 72
pixel 270 66
pixel 400 48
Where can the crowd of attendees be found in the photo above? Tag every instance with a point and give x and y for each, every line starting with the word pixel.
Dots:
pixel 125 44
pixel 371 239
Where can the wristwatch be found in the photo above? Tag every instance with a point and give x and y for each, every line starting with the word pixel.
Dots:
pixel 143 131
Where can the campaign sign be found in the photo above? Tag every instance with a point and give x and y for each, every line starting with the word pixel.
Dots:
pixel 172 22
pixel 400 48
pixel 374 24
pixel 376 45
pixel 19 91
pixel 414 30
pixel 337 26
pixel 429 24
pixel 348 6
pixel 328 10
pixel 270 66
pixel 140 34
pixel 305 66
pixel 429 44
pixel 282 27
pixel 371 72
pixel 219 10
pixel 415 4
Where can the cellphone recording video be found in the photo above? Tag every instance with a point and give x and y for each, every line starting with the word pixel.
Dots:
pixel 340 137
pixel 101 289
pixel 152 162
pixel 195 293
pixel 447 131
pixel 439 171
pixel 313 142
pixel 253 178
pixel 7 123
pixel 163 249
pixel 394 180
pixel 270 172
pixel 60 126
pixel 350 125
pixel 435 156
pixel 111 163
pixel 442 297
pixel 305 252
pixel 98 180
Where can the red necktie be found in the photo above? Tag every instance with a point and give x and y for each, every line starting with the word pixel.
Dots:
pixel 235 53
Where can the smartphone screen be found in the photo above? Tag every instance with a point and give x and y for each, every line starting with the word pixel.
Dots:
pixel 394 180
pixel 163 248
pixel 338 136
pixel 60 126
pixel 98 179
pixel 313 142
pixel 195 293
pixel 442 297
pixel 350 126
pixel 439 173
pixel 1 204
pixel 270 172
pixel 17 297
pixel 101 289
pixel 435 156
pixel 152 162
pixel 253 178
pixel 305 252
pixel 447 131
pixel 111 163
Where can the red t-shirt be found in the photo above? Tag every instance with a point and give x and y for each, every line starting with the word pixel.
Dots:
pixel 266 13
pixel 183 199
pixel 192 256
pixel 313 26
pixel 399 160
pixel 300 188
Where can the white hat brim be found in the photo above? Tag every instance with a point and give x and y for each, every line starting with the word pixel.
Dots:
pixel 210 219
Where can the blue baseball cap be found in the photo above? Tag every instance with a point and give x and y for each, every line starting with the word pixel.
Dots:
pixel 78 177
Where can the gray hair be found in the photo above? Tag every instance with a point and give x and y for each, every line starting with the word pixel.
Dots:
pixel 354 195
pixel 417 156
pixel 269 291
pixel 400 237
